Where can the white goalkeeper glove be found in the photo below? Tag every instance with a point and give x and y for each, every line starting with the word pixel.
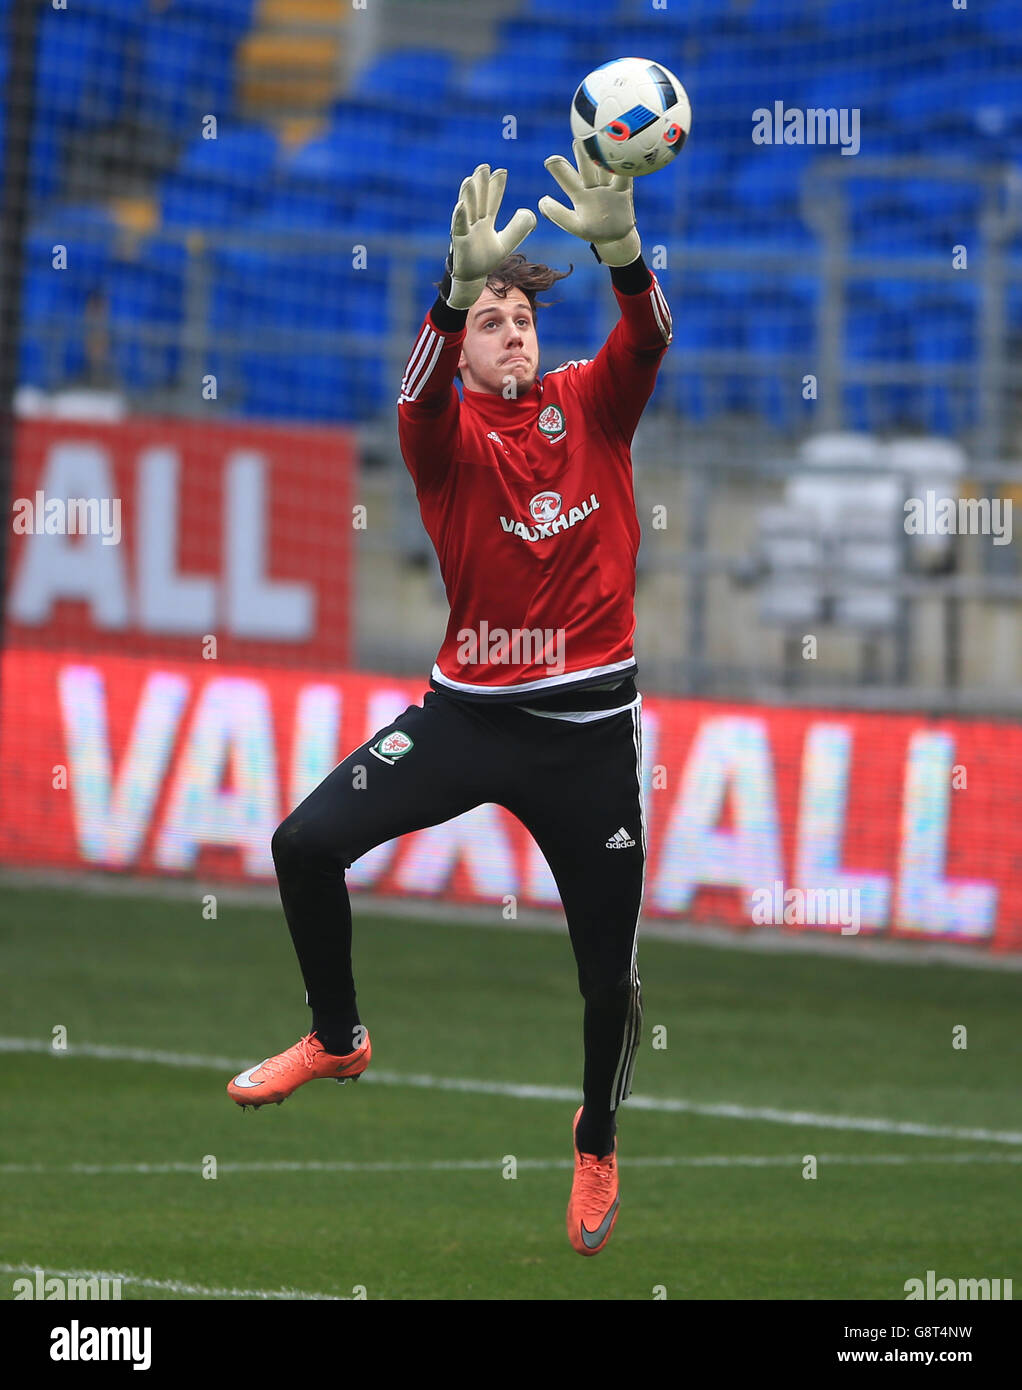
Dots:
pixel 477 248
pixel 602 210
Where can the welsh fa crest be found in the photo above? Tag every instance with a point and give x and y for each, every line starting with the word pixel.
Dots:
pixel 551 423
pixel 391 747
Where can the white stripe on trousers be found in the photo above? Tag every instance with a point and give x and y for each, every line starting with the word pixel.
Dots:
pixel 622 1084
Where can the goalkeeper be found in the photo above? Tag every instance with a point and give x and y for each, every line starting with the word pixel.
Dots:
pixel 524 483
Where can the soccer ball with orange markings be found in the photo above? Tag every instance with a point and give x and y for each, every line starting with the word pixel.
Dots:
pixel 632 115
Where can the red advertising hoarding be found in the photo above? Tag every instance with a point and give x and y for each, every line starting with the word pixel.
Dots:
pixel 150 766
pixel 242 533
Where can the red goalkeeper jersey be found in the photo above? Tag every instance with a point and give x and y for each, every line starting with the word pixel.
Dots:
pixel 530 507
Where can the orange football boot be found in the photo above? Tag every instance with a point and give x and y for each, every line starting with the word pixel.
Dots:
pixel 272 1081
pixel 594 1201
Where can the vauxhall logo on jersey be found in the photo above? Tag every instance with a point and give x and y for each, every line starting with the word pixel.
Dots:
pixel 548 518
pixel 545 506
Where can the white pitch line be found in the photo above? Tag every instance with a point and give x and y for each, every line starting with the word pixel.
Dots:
pixel 492 1165
pixel 522 1091
pixel 172 1285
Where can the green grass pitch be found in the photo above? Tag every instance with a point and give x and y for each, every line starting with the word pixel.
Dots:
pixel 410 1199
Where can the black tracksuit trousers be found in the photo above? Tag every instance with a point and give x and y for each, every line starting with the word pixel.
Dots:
pixel 577 789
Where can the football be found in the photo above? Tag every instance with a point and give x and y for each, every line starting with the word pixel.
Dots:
pixel 632 115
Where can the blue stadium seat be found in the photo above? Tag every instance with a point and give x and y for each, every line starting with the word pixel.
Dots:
pixel 146 305
pixel 310 290
pixel 296 206
pixel 424 189
pixel 769 182
pixel 697 16
pixel 55 302
pixel 553 35
pixel 883 220
pixel 80 73
pixel 226 18
pixel 528 180
pixel 306 386
pixel 708 317
pixel 1014 302
pixel 943 200
pixel 376 211
pixel 995 104
pixel 938 102
pixel 47 150
pixel 858 15
pixel 324 174
pixel 944 336
pixel 896 232
pixel 780 320
pixel 369 120
pixel 877 332
pixel 777 16
pixel 660 201
pixel 709 227
pixel 88 234
pixel 881 19
pixel 52 349
pixel 571 327
pixel 944 332
pixel 186 71
pixel 701 172
pixel 284 360
pixel 594 47
pixel 520 83
pixel 354 158
pixel 466 139
pixel 130 12
pixel 544 24
pixel 1002 18
pixel 426 272
pixel 731 83
pixel 594 10
pixel 416 80
pixel 220 182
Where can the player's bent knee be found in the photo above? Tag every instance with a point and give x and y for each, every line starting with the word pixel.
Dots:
pixel 298 842
pixel 615 993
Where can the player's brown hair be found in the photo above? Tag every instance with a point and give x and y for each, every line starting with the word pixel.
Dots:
pixel 533 279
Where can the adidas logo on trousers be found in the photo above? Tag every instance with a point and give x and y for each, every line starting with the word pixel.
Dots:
pixel 620 840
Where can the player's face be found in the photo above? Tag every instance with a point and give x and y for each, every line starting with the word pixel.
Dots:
pixel 500 345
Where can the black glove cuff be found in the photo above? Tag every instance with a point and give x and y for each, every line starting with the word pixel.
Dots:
pixel 631 279
pixel 448 320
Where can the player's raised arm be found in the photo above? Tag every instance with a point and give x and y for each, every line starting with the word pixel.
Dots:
pixel 620 380
pixel 428 403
